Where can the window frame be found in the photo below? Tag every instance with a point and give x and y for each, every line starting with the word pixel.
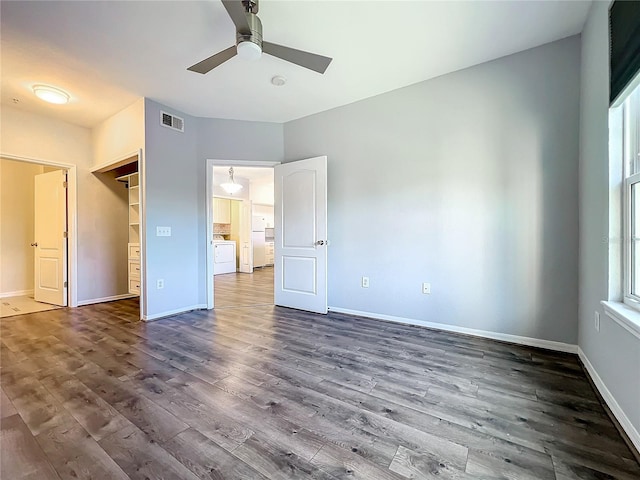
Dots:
pixel 631 174
pixel 629 298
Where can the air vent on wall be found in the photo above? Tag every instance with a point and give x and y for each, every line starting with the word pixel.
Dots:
pixel 171 121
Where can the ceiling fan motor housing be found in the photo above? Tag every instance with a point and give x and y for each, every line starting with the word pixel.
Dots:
pixel 255 33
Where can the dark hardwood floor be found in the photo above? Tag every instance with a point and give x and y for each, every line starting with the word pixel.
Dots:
pixel 266 392
pixel 244 289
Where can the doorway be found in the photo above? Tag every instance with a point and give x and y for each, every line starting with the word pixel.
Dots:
pixel 124 178
pixel 300 232
pixel 242 219
pixel 38 235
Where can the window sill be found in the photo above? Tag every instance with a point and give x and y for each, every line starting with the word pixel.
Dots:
pixel 627 317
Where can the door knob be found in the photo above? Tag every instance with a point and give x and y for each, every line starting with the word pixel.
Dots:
pixel 320 242
pixel 34 244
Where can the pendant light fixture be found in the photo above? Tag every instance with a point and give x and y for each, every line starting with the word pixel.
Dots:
pixel 230 186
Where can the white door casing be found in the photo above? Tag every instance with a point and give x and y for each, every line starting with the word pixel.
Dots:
pixel 301 234
pixel 50 283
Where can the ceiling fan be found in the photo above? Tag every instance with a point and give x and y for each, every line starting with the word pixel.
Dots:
pixel 249 43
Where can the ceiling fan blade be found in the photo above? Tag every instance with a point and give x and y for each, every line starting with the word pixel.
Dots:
pixel 238 15
pixel 213 61
pixel 314 62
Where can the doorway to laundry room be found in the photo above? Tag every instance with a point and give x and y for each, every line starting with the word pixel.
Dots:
pixel 242 220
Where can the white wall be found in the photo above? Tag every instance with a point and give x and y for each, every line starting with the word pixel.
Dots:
pixel 467 181
pixel 613 351
pixel 29 135
pixel 262 191
pixel 17 232
pixel 120 135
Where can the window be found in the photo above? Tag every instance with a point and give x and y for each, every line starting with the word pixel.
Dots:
pixel 631 210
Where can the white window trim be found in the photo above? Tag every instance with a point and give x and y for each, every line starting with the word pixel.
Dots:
pixel 631 175
pixel 629 298
pixel 625 316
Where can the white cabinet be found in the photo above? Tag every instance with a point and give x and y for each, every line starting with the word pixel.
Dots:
pixel 134 272
pixel 221 210
pixel 268 253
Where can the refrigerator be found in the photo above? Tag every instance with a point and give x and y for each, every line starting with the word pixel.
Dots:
pixel 258 225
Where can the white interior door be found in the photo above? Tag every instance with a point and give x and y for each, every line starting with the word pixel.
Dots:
pixel 246 258
pixel 301 234
pixel 50 283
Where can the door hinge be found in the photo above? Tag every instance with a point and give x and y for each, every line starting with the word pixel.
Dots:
pixel 65 234
pixel 65 185
pixel 66 284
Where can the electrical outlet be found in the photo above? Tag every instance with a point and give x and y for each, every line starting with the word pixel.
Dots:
pixel 365 282
pixel 163 231
pixel 597 320
pixel 160 284
pixel 426 288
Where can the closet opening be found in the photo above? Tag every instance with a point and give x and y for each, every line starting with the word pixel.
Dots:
pixel 124 179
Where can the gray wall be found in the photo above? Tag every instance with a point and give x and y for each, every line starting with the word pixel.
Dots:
pixel 467 181
pixel 175 196
pixel 613 351
pixel 171 199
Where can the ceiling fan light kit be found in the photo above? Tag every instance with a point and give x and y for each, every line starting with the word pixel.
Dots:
pixel 249 43
pixel 247 50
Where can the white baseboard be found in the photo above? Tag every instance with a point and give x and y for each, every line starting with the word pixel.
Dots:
pixel 617 411
pixel 170 313
pixel 124 296
pixel 529 341
pixel 17 293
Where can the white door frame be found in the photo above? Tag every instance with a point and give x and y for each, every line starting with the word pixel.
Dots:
pixel 209 210
pixel 72 219
pixel 119 162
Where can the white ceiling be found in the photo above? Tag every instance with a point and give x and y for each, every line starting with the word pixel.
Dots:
pixel 107 54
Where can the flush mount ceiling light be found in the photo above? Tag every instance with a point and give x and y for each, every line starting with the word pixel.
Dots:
pixel 51 94
pixel 231 186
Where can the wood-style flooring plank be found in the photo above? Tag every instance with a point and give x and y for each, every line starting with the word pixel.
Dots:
pixel 143 459
pixel 414 465
pixel 6 407
pixel 22 458
pixel 206 459
pixel 75 454
pixel 277 463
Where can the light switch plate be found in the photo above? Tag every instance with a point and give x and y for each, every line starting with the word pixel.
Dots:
pixel 163 231
pixel 426 288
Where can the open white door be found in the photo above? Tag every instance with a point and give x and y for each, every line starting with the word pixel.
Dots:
pixel 246 259
pixel 301 234
pixel 50 283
